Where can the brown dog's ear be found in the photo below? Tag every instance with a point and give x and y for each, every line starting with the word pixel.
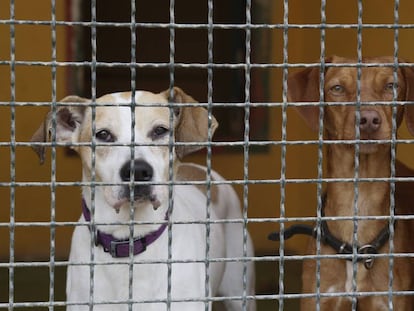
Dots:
pixel 409 96
pixel 192 125
pixel 303 86
pixel 67 120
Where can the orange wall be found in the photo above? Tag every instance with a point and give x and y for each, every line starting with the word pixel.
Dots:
pixel 33 84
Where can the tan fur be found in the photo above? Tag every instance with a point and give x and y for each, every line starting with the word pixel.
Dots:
pixel 192 118
pixel 43 133
pixel 192 125
pixel 374 197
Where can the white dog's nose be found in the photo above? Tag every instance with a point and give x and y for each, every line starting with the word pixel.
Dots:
pixel 142 171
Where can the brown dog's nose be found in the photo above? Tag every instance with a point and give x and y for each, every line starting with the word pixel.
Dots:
pixel 370 121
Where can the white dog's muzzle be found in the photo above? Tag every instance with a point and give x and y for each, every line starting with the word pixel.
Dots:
pixel 142 173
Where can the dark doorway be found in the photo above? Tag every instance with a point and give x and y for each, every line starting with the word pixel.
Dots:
pixel 152 55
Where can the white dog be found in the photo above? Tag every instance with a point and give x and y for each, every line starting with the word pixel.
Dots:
pixel 191 278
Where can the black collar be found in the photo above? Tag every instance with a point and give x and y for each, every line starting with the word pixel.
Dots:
pixel 345 248
pixel 339 246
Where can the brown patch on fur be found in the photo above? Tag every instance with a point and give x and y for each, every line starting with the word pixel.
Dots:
pixel 66 117
pixel 193 122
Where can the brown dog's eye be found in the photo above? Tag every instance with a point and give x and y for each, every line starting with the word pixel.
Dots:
pixel 389 87
pixel 104 136
pixel 337 89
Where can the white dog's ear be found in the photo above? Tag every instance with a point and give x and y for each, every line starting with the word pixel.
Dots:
pixel 192 125
pixel 67 121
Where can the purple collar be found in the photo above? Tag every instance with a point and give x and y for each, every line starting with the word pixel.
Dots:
pixel 120 248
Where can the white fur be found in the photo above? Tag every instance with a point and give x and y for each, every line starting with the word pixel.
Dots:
pixel 349 276
pixel 335 288
pixel 188 241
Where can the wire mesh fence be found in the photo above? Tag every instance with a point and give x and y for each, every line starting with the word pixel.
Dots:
pixel 251 65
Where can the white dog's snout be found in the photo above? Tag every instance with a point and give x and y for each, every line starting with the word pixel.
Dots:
pixel 141 170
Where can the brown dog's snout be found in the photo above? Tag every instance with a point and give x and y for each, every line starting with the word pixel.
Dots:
pixel 370 121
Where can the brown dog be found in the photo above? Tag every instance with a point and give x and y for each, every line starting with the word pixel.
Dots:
pixel 339 122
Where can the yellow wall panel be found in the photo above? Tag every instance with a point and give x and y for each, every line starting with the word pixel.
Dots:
pixel 33 43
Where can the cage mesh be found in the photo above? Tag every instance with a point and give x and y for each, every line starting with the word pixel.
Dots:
pixel 280 257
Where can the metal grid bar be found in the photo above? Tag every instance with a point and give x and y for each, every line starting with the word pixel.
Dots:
pixel 356 157
pixel 53 163
pixel 246 153
pixel 206 25
pixel 283 156
pixel 393 159
pixel 170 150
pixel 12 156
pixel 132 155
pixel 209 139
pixel 92 225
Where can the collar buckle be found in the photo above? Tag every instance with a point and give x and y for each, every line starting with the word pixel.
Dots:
pixel 368 250
pixel 120 248
pixel 113 248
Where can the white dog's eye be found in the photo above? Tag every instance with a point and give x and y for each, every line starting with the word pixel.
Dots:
pixel 159 131
pixel 105 136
